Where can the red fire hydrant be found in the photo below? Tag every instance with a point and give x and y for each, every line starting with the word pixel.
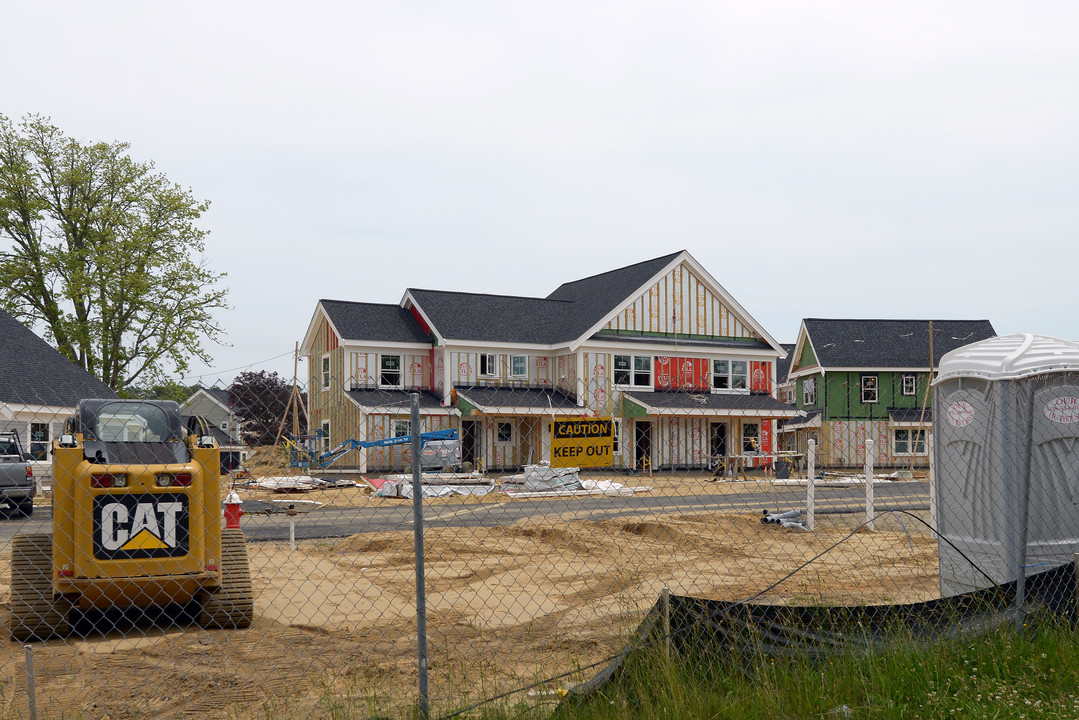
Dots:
pixel 233 510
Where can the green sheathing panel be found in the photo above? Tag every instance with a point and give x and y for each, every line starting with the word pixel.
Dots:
pixel 631 409
pixel 900 400
pixel 843 397
pixel 465 407
pixel 799 394
pixel 808 358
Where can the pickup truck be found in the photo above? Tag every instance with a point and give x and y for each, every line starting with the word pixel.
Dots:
pixel 17 486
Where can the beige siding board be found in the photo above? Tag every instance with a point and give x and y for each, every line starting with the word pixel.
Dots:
pixel 679 302
pixel 439 371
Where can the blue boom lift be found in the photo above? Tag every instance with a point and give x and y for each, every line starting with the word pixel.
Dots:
pixel 303 449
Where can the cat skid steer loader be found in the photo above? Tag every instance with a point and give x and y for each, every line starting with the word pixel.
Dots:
pixel 136 524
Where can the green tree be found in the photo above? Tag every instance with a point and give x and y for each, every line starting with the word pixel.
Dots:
pixel 104 253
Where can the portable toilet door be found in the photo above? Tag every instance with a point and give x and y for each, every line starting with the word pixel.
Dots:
pixel 1006 460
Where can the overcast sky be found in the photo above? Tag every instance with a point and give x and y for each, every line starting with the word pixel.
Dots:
pixel 820 159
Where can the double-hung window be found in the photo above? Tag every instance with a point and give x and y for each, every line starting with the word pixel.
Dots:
pixel 910 384
pixel 324 441
pixel 401 428
pixel 869 389
pixel 325 372
pixel 730 374
pixel 39 441
pixel 389 371
pixel 751 438
pixel 809 392
pixel 633 370
pixel 908 442
pixel 504 432
pixel 518 366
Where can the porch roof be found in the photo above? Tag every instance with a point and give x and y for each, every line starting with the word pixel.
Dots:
pixel 706 403
pixel 516 401
pixel 397 402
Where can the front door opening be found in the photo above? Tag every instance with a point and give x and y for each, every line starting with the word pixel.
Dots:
pixel 642 445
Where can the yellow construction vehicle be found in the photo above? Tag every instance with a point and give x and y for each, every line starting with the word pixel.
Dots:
pixel 136 523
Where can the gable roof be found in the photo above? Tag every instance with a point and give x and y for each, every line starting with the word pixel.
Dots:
pixel 887 343
pixel 783 364
pixel 379 322
pixel 494 318
pixel 574 312
pixel 32 372
pixel 561 317
pixel 595 297
pixel 218 395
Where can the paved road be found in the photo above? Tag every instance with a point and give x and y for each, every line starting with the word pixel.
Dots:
pixel 398 514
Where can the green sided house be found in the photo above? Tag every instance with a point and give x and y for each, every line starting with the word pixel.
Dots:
pixel 660 347
pixel 868 379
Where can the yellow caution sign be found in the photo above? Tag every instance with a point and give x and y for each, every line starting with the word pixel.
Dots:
pixel 582 442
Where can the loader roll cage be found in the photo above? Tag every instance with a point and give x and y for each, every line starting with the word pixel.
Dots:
pixel 134 431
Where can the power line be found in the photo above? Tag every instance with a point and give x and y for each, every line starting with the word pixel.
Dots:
pixel 213 371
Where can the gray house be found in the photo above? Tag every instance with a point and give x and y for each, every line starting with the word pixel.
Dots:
pixel 39 389
pixel 213 405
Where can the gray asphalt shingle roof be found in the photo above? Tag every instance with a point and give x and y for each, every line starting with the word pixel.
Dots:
pixel 593 297
pixel 395 399
pixel 490 399
pixel 912 415
pixel 374 321
pixel 562 316
pixel 889 343
pixel 32 372
pixel 784 364
pixel 713 402
pixel 495 318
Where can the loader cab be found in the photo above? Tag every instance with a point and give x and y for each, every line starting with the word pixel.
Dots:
pixel 131 431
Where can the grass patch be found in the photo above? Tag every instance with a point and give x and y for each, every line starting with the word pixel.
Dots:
pixel 997 674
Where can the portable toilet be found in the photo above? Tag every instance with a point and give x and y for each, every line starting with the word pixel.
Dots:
pixel 1006 460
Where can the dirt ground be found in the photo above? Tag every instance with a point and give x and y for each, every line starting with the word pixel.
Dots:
pixel 335 626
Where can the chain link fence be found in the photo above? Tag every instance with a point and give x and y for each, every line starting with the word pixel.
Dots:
pixel 542 540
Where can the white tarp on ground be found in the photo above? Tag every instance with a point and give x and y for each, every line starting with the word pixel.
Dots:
pixel 295 483
pixel 392 488
pixel 543 477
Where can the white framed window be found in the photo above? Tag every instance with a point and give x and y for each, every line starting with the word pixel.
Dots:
pixel 326 372
pixel 809 392
pixel 225 426
pixel 751 438
pixel 616 435
pixel 518 366
pixel 910 384
pixel 324 440
pixel 488 365
pixel 869 389
pixel 633 370
pixel 730 375
pixel 39 441
pixel 906 441
pixel 402 428
pixel 389 371
pixel 503 432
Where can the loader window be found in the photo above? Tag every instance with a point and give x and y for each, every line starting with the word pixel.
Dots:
pixel 125 422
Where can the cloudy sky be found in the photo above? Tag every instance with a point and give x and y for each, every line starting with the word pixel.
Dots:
pixel 821 159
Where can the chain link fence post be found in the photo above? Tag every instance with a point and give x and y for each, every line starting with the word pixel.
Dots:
pixel 421 597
